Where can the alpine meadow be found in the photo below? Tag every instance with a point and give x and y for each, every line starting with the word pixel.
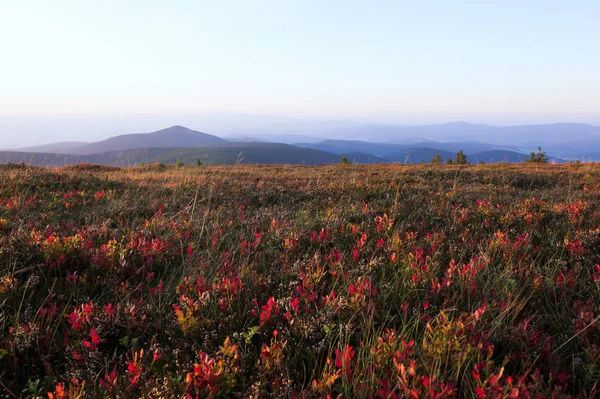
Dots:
pixel 300 199
pixel 383 281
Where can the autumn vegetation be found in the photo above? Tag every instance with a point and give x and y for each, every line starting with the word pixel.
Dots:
pixel 381 281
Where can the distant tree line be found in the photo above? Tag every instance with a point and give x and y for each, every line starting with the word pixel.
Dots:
pixel 461 158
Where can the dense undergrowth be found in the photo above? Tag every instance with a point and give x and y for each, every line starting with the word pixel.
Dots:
pixel 282 281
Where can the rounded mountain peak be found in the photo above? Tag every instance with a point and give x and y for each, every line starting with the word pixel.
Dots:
pixel 176 129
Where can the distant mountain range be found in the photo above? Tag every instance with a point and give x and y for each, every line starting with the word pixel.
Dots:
pixel 180 143
pixel 462 131
pixel 425 155
pixel 387 149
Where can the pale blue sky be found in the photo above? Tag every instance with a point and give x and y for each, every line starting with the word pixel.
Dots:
pixel 476 60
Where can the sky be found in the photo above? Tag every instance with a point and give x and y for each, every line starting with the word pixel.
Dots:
pixel 494 61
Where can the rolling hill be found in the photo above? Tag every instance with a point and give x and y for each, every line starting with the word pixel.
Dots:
pixel 561 140
pixel 172 137
pixel 254 153
pixel 248 153
pixel 386 149
pixel 56 148
pixel 180 143
pixel 40 158
pixel 425 155
pixel 467 147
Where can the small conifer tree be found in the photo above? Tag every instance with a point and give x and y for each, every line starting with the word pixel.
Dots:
pixel 437 160
pixel 538 157
pixel 461 158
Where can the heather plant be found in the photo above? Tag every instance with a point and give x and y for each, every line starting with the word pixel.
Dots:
pixel 292 281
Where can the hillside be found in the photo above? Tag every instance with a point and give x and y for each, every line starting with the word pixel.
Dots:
pixel 172 137
pixel 251 153
pixel 56 148
pixel 248 153
pixel 43 159
pixel 385 149
pixel 222 154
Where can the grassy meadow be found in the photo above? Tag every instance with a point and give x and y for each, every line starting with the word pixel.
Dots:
pixel 379 281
